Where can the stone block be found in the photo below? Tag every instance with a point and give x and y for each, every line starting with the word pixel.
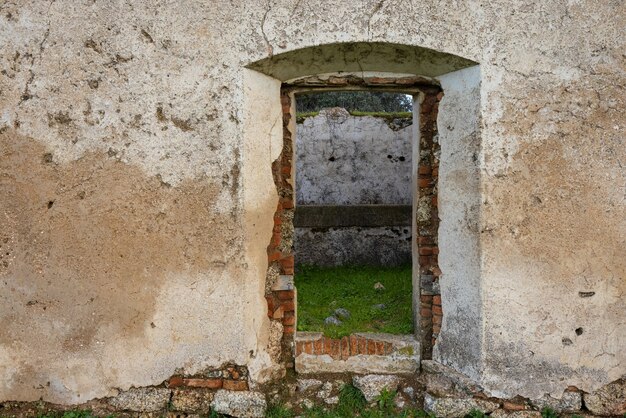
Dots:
pixel 608 400
pixel 501 413
pixel 305 385
pixel 373 384
pixel 457 407
pixel 569 402
pixel 239 404
pixel 191 400
pixel 444 381
pixel 142 399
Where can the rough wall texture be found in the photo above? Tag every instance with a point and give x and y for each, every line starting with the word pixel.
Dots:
pixel 378 246
pixel 350 160
pixel 146 108
pixel 347 160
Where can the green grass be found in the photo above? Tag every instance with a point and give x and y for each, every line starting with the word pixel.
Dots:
pixel 322 290
pixel 352 403
pixel 68 414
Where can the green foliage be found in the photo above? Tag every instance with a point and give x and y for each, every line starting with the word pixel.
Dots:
pixel 385 400
pixel 475 413
pixel 364 101
pixel 319 412
pixel 215 414
pixel 548 412
pixel 322 290
pixel 278 411
pixel 68 414
pixel 351 400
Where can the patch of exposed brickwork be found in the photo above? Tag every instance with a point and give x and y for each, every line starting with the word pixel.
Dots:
pixel 427 220
pixel 231 377
pixel 281 299
pixel 342 348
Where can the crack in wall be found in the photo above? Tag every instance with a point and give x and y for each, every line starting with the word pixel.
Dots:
pixel 270 48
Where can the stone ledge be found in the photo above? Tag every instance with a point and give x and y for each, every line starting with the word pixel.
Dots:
pixel 327 216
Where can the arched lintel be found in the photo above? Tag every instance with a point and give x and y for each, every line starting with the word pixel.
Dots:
pixel 360 57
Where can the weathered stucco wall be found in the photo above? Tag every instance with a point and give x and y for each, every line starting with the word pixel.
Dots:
pixel 349 160
pixel 153 143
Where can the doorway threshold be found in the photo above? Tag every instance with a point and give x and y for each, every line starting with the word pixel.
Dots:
pixel 358 353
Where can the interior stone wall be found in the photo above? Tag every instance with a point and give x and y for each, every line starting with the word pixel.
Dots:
pixel 350 160
pixel 137 193
pixel 353 160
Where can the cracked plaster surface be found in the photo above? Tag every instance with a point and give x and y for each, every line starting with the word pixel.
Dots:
pixel 159 88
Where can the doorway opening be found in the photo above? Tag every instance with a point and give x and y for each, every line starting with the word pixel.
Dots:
pixel 353 184
pixel 343 205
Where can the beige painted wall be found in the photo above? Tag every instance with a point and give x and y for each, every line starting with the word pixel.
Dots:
pixel 136 120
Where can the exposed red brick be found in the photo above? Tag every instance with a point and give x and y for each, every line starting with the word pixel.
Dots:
pixel 380 348
pixel 423 183
pixel 424 169
pixel 426 313
pixel 335 349
pixel 437 300
pixel 288 306
pixel 437 310
pixel 354 345
pixel 318 346
pixel 203 383
pixel 345 347
pixel 425 250
pixel 425 240
pixel 371 347
pixel 175 381
pixel 328 346
pixel 273 256
pixel 287 262
pixel 513 406
pixel 299 348
pixel 289 320
pixel 308 347
pixel 289 330
pixel 235 385
pixel 426 299
pixel 362 345
pixel 285 294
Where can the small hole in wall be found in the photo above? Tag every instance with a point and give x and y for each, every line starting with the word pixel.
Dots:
pixel 50 203
pixel 566 341
pixel 579 331
pixel 331 159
